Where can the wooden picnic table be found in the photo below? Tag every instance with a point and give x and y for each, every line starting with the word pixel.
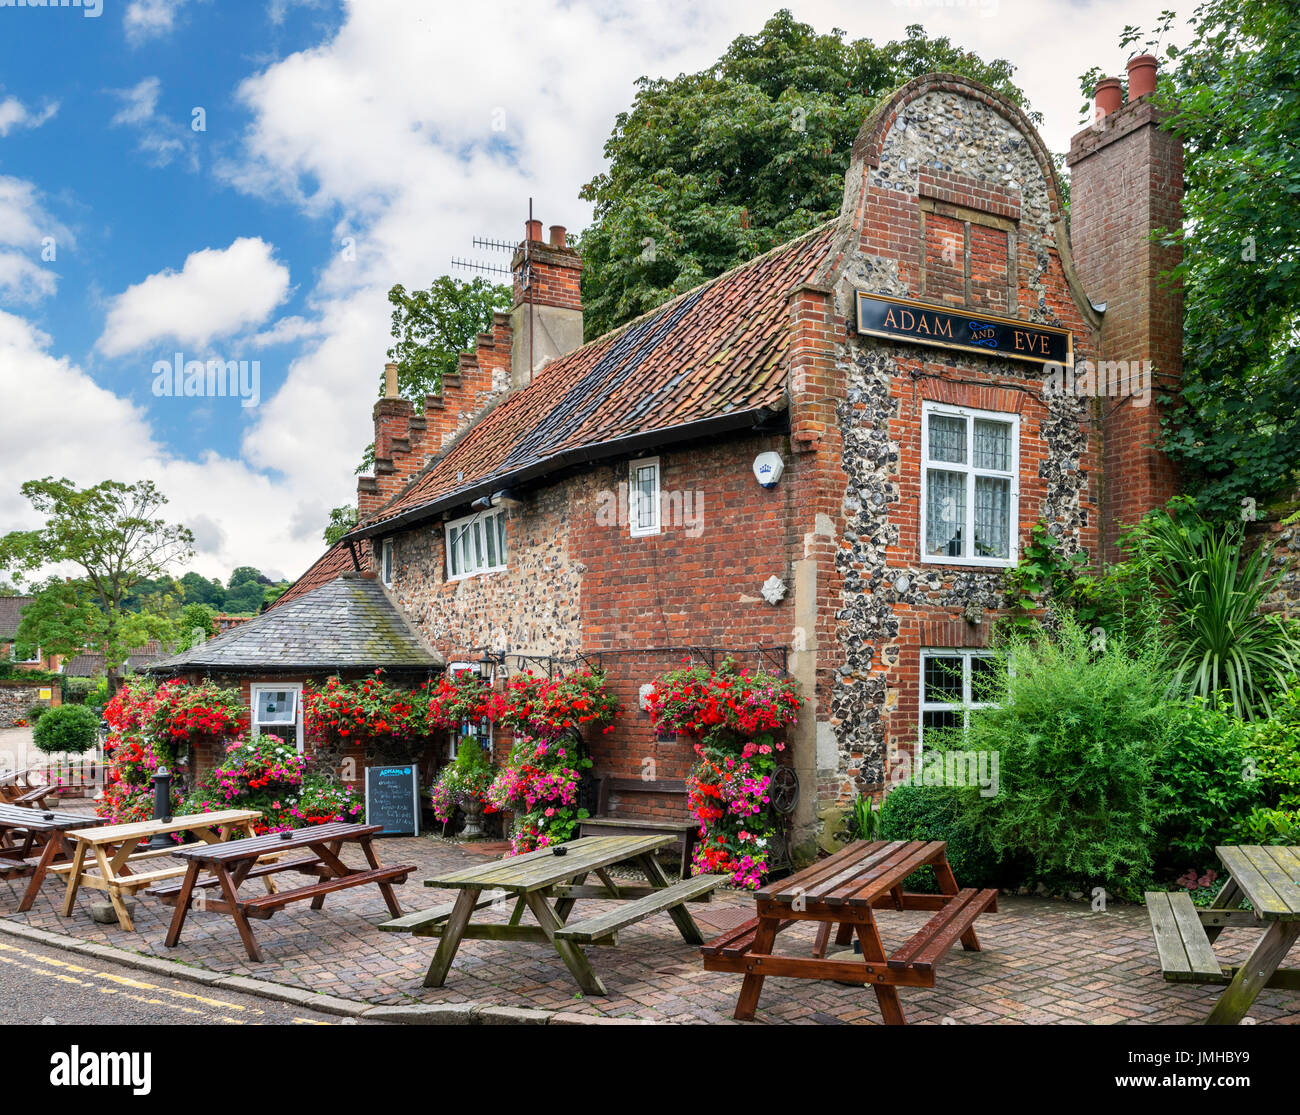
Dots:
pixel 548 885
pixel 23 830
pixel 1266 877
pixel 843 890
pixel 232 863
pixel 106 857
pixel 17 788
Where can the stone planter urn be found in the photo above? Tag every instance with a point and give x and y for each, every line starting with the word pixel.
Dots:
pixel 473 811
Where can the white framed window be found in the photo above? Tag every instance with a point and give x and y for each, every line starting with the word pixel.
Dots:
pixel 14 652
pixel 476 544
pixel 386 562
pixel 643 496
pixel 277 709
pixel 953 682
pixel 970 486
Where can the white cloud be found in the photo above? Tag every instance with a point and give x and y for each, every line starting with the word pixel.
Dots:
pixel 15 114
pixel 25 229
pixel 159 137
pixel 216 293
pixel 285 330
pixel 149 19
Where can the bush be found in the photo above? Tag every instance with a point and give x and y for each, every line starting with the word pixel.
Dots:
pixel 36 712
pixel 1077 730
pixel 914 812
pixel 76 690
pixel 69 729
pixel 1274 746
pixel 1204 784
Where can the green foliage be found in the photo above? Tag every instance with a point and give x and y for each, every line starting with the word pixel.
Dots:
pixel 1224 647
pixel 67 729
pixel 915 812
pixel 113 532
pixel 1234 430
pixel 196 624
pixel 342 520
pixel 77 690
pixel 1275 752
pixel 197 589
pixel 1205 783
pixel 862 822
pixel 1077 732
pixel 431 328
pixel 36 711
pixel 710 169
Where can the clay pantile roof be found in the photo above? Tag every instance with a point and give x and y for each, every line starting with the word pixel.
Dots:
pixel 347 623
pixel 90 663
pixel 11 611
pixel 337 559
pixel 711 359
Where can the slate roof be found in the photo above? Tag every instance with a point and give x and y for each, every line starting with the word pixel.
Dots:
pixel 11 611
pixel 347 623
pixel 711 359
pixel 334 561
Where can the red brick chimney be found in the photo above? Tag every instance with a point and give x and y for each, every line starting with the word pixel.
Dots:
pixel 1126 180
pixel 547 314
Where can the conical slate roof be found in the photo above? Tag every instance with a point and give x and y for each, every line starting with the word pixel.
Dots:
pixel 348 623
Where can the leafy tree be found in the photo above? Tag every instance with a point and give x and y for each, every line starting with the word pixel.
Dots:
pixel 196 624
pixel 342 520
pixel 245 598
pixel 246 574
pixel 710 169
pixel 431 328
pixel 198 589
pixel 1234 428
pixel 114 534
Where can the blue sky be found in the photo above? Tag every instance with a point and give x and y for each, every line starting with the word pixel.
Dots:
pixel 401 128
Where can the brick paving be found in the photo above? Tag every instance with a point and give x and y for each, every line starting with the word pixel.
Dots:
pixel 1043 961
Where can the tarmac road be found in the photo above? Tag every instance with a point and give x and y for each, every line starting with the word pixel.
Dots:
pixel 40 985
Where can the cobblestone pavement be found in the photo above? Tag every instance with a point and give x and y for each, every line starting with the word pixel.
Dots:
pixel 1043 961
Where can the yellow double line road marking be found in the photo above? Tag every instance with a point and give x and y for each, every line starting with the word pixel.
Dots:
pixel 187 1002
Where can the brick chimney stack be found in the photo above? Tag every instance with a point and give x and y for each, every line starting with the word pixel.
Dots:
pixel 546 318
pixel 1126 180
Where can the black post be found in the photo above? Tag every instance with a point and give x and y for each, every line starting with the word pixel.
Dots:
pixel 162 806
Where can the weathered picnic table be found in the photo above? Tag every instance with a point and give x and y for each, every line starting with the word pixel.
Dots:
pixel 17 788
pixel 1266 877
pixel 843 890
pixel 24 830
pixel 113 859
pixel 232 863
pixel 548 884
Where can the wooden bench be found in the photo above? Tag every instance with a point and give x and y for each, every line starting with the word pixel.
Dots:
pixel 1186 955
pixel 629 913
pixel 684 831
pixel 933 940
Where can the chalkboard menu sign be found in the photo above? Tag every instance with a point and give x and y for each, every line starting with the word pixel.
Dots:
pixel 392 800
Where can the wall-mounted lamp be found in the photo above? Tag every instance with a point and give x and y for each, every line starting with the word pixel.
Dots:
pixel 504 498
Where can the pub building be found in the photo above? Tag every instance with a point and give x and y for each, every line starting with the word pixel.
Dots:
pixel 895 360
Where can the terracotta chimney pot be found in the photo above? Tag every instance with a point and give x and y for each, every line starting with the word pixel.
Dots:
pixel 1108 97
pixel 390 381
pixel 557 236
pixel 533 231
pixel 1141 76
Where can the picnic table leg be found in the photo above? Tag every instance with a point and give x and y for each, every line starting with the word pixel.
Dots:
pixel 385 888
pixel 1253 976
pixel 572 955
pixel 752 986
pixel 1228 897
pixel 823 939
pixel 948 885
pixel 680 914
pixel 241 921
pixel 891 1010
pixel 74 879
pixel 451 935
pixel 114 892
pixel 564 907
pixel 182 904
pixel 55 844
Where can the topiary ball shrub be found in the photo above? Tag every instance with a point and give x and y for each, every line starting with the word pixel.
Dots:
pixel 913 812
pixel 68 729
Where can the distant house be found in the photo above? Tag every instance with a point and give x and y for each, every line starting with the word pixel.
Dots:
pixel 11 614
pixel 91 663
